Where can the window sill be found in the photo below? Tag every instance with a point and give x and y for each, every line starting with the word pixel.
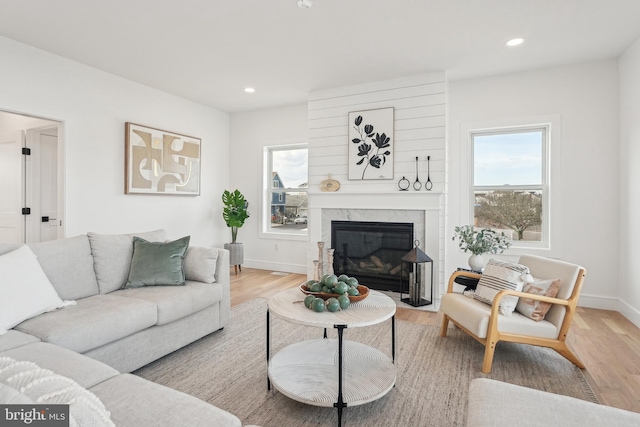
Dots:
pixel 284 236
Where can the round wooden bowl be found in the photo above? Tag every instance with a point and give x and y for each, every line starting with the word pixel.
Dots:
pixel 364 292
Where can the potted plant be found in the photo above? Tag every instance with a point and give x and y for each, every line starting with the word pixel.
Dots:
pixel 480 242
pixel 234 214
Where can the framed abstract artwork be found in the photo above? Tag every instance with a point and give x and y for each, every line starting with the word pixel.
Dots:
pixel 161 162
pixel 371 144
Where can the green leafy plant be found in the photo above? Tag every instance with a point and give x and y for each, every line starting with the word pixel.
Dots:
pixel 234 212
pixel 482 241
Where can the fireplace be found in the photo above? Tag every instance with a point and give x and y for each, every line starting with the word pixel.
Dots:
pixel 372 252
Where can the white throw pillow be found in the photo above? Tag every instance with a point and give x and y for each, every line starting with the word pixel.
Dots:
pixel 200 264
pixel 25 291
pixel 500 275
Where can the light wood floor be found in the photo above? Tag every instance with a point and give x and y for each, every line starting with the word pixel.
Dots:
pixel 606 342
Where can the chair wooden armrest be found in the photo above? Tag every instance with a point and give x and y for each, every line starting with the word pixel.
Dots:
pixel 543 298
pixel 469 274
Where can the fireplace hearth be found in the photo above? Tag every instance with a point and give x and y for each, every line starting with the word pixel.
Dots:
pixel 372 252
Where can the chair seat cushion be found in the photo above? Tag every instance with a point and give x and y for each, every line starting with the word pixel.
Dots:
pixel 474 316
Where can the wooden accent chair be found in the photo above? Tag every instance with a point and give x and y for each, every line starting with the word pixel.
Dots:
pixel 486 325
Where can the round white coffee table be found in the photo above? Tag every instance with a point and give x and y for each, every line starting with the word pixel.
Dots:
pixel 332 372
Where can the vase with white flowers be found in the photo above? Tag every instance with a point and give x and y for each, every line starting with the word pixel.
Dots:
pixel 480 242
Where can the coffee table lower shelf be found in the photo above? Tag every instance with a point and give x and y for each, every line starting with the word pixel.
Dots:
pixel 308 372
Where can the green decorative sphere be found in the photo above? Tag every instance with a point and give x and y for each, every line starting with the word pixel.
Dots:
pixel 353 291
pixel 318 305
pixel 344 301
pixel 308 300
pixel 316 287
pixel 341 288
pixel 333 305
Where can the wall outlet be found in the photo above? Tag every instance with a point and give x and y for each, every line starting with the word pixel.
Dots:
pixel 275 247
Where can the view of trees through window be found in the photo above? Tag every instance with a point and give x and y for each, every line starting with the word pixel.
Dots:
pixel 288 207
pixel 509 182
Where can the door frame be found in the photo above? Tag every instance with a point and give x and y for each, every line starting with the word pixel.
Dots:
pixel 61 156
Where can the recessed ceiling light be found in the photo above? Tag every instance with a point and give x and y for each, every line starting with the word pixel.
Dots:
pixel 249 89
pixel 305 4
pixel 515 42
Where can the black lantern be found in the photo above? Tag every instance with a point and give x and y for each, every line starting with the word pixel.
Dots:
pixel 413 267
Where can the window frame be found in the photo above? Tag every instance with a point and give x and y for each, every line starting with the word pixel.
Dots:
pixel 520 246
pixel 269 186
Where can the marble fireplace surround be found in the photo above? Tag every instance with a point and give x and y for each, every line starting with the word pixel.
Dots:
pixel 424 210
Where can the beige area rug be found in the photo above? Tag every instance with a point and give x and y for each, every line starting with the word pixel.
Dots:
pixel 228 369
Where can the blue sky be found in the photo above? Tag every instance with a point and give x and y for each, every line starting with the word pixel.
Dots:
pixel 292 166
pixel 514 159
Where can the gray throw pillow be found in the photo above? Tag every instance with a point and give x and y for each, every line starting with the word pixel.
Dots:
pixel 155 264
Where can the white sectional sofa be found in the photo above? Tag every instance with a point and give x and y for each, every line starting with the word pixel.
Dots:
pixel 104 331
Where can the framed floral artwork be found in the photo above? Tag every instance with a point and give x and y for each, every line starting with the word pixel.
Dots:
pixel 371 144
pixel 161 162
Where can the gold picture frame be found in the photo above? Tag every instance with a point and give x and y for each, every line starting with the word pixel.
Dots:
pixel 161 162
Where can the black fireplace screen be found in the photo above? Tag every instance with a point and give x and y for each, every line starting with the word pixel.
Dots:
pixel 372 252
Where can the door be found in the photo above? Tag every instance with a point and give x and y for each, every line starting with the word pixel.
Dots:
pixel 41 185
pixel 11 188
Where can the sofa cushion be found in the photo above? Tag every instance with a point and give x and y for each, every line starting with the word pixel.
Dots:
pixel 93 322
pixel 176 302
pixel 200 264
pixel 133 401
pixel 13 339
pixel 157 263
pixel 25 291
pixel 82 369
pixel 112 256
pixel 69 266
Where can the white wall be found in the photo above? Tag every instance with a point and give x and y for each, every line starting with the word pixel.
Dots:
pixel 585 98
pixel 250 133
pixel 629 178
pixel 94 107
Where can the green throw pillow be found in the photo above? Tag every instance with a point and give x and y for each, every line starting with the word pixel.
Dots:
pixel 155 264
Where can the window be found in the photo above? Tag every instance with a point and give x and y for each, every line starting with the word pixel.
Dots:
pixel 510 183
pixel 286 190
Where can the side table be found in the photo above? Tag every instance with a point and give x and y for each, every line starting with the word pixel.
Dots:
pixel 309 371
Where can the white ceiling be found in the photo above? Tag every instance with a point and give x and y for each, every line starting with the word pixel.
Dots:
pixel 209 50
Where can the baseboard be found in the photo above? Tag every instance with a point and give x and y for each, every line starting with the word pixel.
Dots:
pixel 630 313
pixel 597 301
pixel 275 266
pixel 608 303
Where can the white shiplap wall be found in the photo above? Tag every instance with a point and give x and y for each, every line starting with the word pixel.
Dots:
pixel 419 104
pixel 420 107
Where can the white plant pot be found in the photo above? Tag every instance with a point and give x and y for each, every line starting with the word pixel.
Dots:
pixel 476 262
